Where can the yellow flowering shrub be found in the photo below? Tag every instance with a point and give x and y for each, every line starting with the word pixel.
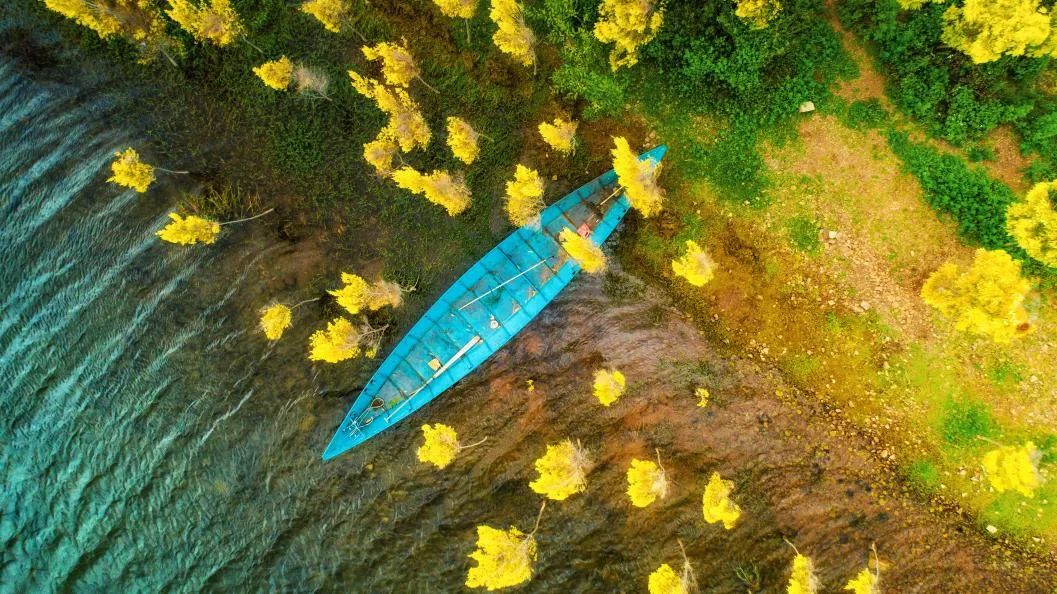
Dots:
pixel 562 471
pixel 638 178
pixel 331 13
pixel 398 67
pixel 1033 222
pixel 129 171
pixel 588 255
pixel 987 299
pixel 664 580
pixel 716 503
pixel 442 443
pixel 559 135
pixel 439 187
pixel 214 21
pixel 647 482
pixel 358 295
pixel 802 580
pixel 628 25
pixel 276 74
pixel 702 397
pixel 504 558
pixel 275 319
pixel 524 196
pixel 757 13
pixel 986 30
pixel 379 154
pixel 1013 468
pixel 340 341
pixel 91 15
pixel 139 21
pixel 406 126
pixel 695 265
pixel 189 231
pixel 462 139
pixel 865 582
pixel 462 9
pixel 609 386
pixel 513 36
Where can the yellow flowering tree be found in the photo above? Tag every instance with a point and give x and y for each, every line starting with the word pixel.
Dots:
pixel 460 9
pixel 333 14
pixel 398 67
pixel 716 504
pixel 462 140
pixel 504 557
pixel 441 445
pixel 379 154
pixel 987 299
pixel 609 386
pixel 664 579
pixel 439 187
pixel 1013 468
pixel 628 25
pixel 276 74
pixel 513 36
pixel 129 171
pixel 866 581
pixel 695 265
pixel 647 482
pixel 562 471
pixel 524 196
pixel 357 295
pixel 137 21
pixel 406 126
pixel 638 178
pixel 588 255
pixel 559 135
pixel 274 320
pixel 341 340
pixel 213 21
pixel 1033 222
pixel 193 229
pixel 757 13
pixel 986 30
pixel 802 579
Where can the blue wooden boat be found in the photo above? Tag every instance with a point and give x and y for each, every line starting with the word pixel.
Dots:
pixel 482 310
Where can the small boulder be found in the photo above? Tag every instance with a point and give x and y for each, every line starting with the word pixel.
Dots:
pixel 807 107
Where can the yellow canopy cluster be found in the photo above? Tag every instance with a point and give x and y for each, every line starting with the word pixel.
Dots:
pixel 588 255
pixel 357 294
pixel 442 443
pixel 276 74
pixel 129 171
pixel 987 299
pixel 559 135
pixel 462 139
pixel 504 558
pixel 866 582
pixel 647 482
pixel 379 154
pixel 189 231
pixel 340 341
pixel 331 13
pixel 757 13
pixel 214 21
pixel 1013 468
pixel 562 471
pixel 513 36
pixel 398 67
pixel 716 503
pixel 524 196
pixel 406 126
pixel 638 178
pixel 986 30
pixel 664 580
pixel 439 187
pixel 702 397
pixel 137 20
pixel 275 319
pixel 695 265
pixel 628 24
pixel 462 9
pixel 1033 222
pixel 802 579
pixel 609 386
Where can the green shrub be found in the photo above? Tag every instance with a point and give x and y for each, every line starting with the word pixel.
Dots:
pixel 978 153
pixel 803 234
pixel 867 113
pixel 923 475
pixel 964 420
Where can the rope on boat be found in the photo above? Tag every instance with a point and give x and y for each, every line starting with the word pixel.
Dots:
pixel 504 283
pixel 465 349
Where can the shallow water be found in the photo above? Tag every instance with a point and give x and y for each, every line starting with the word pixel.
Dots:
pixel 152 441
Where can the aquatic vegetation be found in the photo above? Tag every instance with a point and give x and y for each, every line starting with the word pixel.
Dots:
pixel 562 471
pixel 696 266
pixel 439 187
pixel 341 340
pixel 524 196
pixel 463 140
pixel 213 21
pixel 647 482
pixel 275 319
pixel 638 178
pixel 513 37
pixel 357 295
pixel 1013 468
pixel 986 30
pixel 504 557
pixel 560 135
pixel 987 299
pixel 802 579
pixel 189 230
pixel 716 504
pixel 138 21
pixel 441 445
pixel 331 13
pixel 758 13
pixel 664 580
pixel 406 127
pixel 276 74
pixel 1033 222
pixel 129 171
pixel 867 581
pixel 588 255
pixel 609 386
pixel 628 25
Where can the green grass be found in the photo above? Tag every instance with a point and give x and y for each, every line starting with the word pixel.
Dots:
pixel 923 475
pixel 803 234
pixel 1005 372
pixel 866 113
pixel 964 421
